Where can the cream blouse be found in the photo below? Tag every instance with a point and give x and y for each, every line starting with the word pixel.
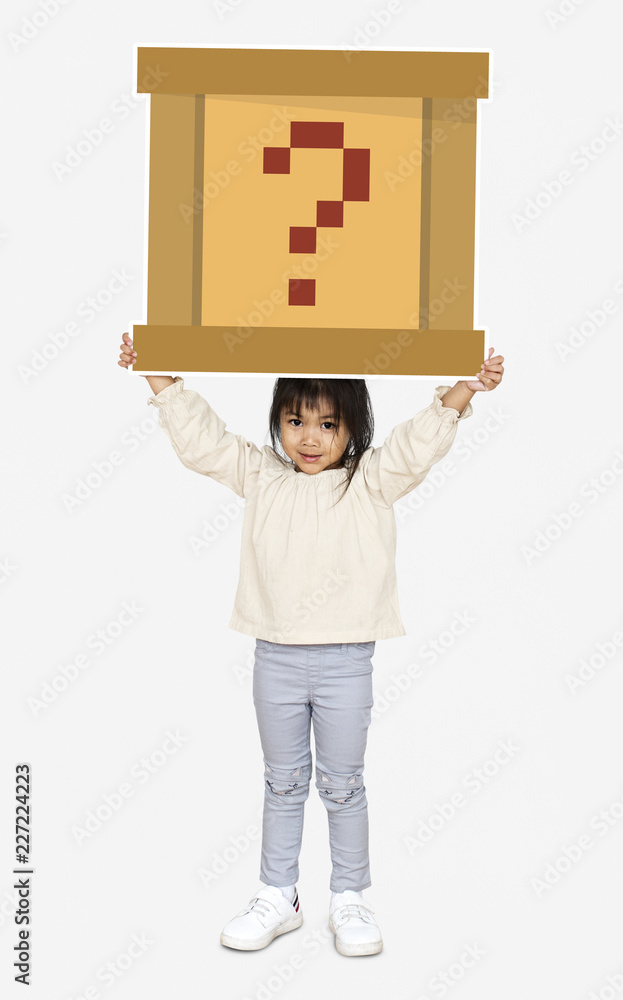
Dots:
pixel 311 572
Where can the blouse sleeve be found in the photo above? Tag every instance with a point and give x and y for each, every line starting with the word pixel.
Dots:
pixel 412 448
pixel 201 441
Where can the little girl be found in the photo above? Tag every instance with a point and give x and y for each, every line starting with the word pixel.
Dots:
pixel 317 588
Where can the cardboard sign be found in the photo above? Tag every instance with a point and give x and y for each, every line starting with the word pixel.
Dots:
pixel 311 212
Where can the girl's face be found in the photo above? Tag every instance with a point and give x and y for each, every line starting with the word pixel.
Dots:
pixel 314 433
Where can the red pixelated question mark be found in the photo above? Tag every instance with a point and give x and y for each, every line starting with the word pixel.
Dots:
pixel 355 187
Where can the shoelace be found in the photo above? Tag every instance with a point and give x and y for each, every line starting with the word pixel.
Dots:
pixel 261 906
pixel 361 910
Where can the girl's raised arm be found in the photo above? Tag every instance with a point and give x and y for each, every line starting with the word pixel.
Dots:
pixel 197 434
pixel 201 440
pixel 412 448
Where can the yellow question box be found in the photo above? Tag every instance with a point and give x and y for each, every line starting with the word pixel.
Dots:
pixel 395 266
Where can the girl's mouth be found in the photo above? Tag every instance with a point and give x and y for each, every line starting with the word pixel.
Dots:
pixel 310 458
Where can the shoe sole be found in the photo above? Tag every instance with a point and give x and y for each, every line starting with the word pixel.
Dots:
pixel 363 948
pixel 245 945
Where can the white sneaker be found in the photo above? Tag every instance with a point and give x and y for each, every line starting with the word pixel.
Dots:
pixel 351 920
pixel 268 914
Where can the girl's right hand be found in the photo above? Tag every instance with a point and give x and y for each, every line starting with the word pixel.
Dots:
pixel 128 354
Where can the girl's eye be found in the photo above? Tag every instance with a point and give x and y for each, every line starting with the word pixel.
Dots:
pixel 295 420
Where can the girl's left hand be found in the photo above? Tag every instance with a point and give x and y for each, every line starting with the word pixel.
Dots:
pixel 490 374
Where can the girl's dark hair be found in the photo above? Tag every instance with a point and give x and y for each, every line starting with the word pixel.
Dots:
pixel 349 400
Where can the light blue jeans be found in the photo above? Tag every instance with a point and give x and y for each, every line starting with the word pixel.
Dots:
pixel 331 684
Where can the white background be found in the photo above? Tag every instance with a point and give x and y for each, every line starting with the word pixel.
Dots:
pixel 496 876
